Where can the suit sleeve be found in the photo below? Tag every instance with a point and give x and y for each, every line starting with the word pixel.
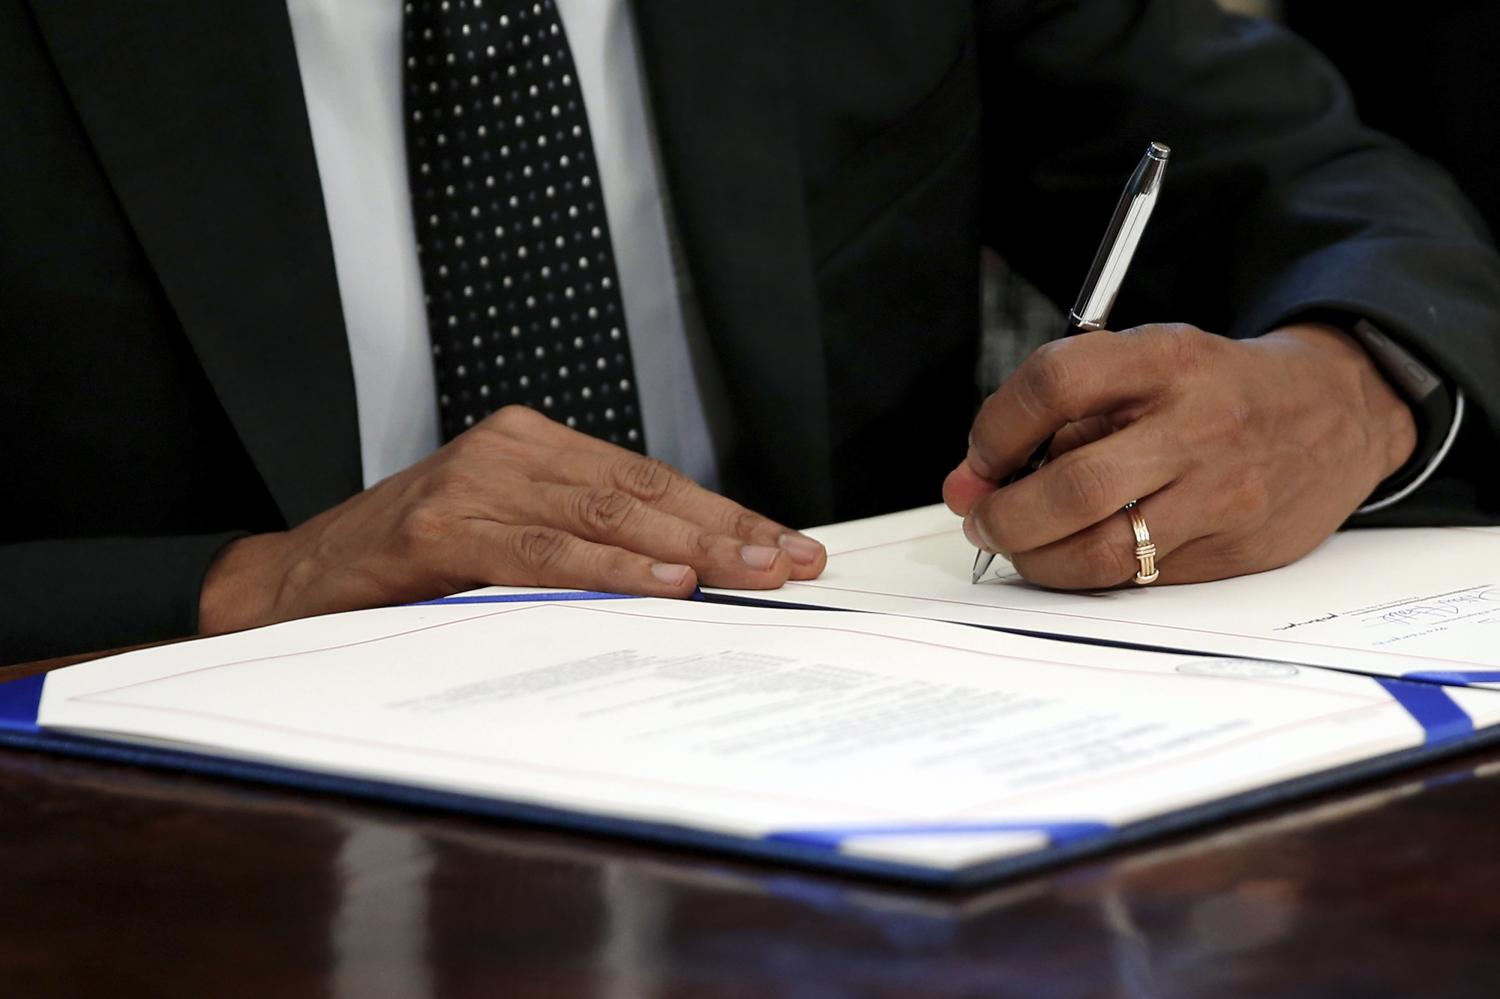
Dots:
pixel 81 595
pixel 1278 204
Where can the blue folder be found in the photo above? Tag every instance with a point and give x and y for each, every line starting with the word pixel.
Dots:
pixel 1449 731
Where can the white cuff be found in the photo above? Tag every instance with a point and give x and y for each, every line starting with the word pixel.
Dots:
pixel 1432 464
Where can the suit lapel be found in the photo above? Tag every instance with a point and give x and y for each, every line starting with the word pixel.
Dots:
pixel 721 92
pixel 196 113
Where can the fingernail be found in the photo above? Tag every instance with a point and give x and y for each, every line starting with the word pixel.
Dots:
pixel 802 549
pixel 670 573
pixel 759 556
pixel 970 534
pixel 975 532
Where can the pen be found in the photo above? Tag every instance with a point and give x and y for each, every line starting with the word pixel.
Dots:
pixel 1091 311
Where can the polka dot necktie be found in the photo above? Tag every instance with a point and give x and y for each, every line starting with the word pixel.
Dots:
pixel 523 299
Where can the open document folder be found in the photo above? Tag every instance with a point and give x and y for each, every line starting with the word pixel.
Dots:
pixel 1420 603
pixel 903 747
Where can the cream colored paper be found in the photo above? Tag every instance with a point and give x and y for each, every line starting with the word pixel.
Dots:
pixel 1383 601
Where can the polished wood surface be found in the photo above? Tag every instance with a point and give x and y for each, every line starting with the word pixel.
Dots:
pixel 118 881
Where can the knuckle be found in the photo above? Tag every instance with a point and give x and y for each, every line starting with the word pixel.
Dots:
pixel 651 479
pixel 1045 381
pixel 1186 347
pixel 423 527
pixel 513 418
pixel 605 510
pixel 745 524
pixel 455 480
pixel 1248 497
pixel 538 547
pixel 1085 486
pixel 702 546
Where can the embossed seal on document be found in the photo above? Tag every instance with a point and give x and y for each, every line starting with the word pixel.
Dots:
pixel 1250 669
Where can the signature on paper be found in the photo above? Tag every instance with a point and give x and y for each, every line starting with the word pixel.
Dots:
pixel 1442 609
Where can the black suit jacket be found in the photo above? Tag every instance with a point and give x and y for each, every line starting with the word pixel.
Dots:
pixel 173 362
pixel 1441 101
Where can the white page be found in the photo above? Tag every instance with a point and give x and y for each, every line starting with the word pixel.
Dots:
pixel 1384 601
pixel 746 721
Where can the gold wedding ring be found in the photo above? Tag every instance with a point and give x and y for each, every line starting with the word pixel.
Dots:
pixel 1145 551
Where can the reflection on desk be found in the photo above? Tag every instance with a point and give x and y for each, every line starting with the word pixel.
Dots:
pixel 127 881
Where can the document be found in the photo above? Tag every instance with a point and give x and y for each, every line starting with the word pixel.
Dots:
pixel 917 744
pixel 1417 602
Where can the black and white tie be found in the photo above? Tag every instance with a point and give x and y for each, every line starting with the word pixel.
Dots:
pixel 523 299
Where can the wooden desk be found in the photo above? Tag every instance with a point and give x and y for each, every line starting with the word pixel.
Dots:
pixel 117 881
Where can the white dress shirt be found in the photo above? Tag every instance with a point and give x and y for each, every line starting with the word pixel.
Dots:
pixel 349 54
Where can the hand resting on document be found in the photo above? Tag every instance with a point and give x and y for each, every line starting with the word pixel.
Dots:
pixel 1244 455
pixel 516 500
